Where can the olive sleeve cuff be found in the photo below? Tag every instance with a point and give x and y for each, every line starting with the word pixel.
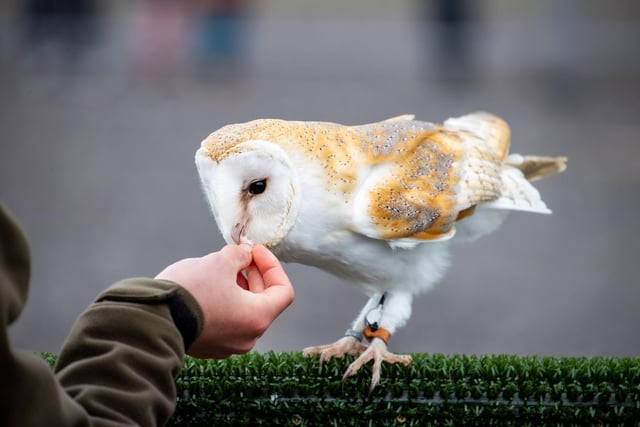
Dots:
pixel 185 311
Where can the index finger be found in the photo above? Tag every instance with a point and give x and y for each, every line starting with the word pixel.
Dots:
pixel 278 291
pixel 254 279
pixel 269 267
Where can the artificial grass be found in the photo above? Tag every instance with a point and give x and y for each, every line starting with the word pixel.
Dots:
pixel 287 389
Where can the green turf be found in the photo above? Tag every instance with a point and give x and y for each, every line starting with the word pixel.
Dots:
pixel 287 389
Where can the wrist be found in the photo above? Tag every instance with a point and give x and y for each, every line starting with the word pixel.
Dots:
pixel 184 310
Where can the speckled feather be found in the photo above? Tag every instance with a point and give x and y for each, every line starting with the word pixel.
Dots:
pixel 406 178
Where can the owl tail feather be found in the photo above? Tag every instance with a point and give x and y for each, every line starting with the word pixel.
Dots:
pixel 517 191
pixel 536 167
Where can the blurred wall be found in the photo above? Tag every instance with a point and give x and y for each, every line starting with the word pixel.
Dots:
pixel 97 139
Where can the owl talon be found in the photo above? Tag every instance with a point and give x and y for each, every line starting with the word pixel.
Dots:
pixel 377 351
pixel 345 345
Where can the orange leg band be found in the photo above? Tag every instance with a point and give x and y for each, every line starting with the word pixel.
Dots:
pixel 381 333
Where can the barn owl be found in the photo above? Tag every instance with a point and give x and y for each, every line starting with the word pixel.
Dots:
pixel 377 205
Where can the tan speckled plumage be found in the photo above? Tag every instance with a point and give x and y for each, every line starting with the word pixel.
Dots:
pixel 434 171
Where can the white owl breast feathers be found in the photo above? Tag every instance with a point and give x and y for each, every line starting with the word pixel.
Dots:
pixel 401 181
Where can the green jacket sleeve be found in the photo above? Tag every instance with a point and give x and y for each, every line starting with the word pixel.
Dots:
pixel 117 366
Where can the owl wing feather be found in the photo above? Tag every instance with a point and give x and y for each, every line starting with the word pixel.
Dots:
pixel 407 180
pixel 418 178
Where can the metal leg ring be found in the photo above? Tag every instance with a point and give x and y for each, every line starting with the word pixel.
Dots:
pixel 353 333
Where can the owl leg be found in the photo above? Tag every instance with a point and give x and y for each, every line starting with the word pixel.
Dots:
pixel 349 344
pixel 392 312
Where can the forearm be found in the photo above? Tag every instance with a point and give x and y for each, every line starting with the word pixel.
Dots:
pixel 121 358
pixel 117 366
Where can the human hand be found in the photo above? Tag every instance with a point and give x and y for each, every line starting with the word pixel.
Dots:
pixel 237 309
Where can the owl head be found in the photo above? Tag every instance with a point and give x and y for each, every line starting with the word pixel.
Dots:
pixel 252 189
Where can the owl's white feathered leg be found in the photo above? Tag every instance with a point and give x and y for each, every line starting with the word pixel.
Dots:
pixel 380 322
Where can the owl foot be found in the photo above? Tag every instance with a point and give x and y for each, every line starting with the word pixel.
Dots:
pixel 377 351
pixel 345 345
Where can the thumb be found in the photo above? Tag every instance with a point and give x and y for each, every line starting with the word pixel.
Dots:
pixel 239 256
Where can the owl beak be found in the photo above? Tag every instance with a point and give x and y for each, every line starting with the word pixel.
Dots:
pixel 237 231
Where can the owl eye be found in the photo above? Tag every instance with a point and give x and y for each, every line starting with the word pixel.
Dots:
pixel 258 187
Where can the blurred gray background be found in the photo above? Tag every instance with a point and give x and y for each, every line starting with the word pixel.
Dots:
pixel 103 105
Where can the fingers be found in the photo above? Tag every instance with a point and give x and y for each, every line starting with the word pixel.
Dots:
pixel 252 290
pixel 263 274
pixel 269 267
pixel 239 256
pixel 277 286
pixel 254 279
pixel 242 281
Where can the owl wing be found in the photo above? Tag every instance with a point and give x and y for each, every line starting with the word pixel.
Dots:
pixel 417 179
